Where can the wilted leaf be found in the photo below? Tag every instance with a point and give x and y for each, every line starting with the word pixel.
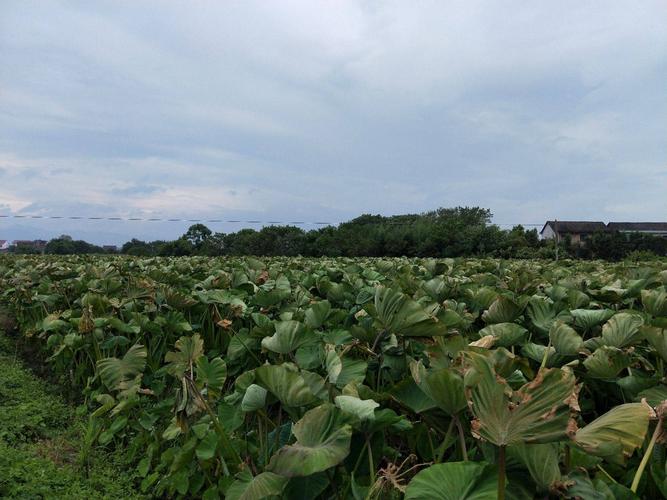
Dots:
pixel 616 434
pixel 188 351
pixel 606 362
pixel 538 412
pixel 657 337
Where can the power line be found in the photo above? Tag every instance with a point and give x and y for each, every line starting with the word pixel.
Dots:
pixel 230 221
pixel 160 219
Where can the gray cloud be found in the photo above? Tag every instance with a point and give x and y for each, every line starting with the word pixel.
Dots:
pixel 309 111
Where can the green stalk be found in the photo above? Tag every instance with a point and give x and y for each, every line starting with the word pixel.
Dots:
pixel 226 443
pixel 356 466
pixel 462 439
pixel 430 442
pixel 546 355
pixel 501 473
pixel 645 458
pixel 371 465
pixel 444 442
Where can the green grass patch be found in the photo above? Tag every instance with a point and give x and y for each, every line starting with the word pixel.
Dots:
pixel 41 439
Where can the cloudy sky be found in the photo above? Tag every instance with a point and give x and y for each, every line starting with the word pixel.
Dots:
pixel 320 111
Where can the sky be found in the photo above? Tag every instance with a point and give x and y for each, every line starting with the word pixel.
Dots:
pixel 321 111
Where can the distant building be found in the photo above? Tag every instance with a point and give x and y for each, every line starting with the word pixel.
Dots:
pixel 110 248
pixel 4 246
pixel 577 231
pixel 654 228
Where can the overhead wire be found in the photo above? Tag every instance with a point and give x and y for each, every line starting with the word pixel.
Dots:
pixel 213 221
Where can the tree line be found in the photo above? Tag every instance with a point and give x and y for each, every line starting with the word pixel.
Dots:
pixel 445 232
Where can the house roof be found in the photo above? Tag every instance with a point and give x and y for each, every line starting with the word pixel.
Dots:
pixel 637 226
pixel 575 226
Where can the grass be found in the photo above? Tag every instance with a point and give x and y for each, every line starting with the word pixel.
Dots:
pixel 41 438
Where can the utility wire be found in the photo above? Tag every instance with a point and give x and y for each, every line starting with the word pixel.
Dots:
pixel 236 221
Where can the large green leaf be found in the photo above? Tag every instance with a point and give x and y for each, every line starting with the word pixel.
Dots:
pixel 607 362
pixel 397 313
pixel 586 319
pixel 317 313
pixel 354 370
pixel 286 384
pixel 254 398
pixel 622 329
pixel 188 351
pixel 505 334
pixel 211 374
pixel 407 392
pixel 454 481
pixel 538 412
pixel 288 337
pixel 565 340
pixel 322 441
pixel 503 310
pixel 264 485
pixel 541 460
pixel 616 434
pixel 542 314
pixel 444 386
pixel 655 302
pixel 657 337
pixel 363 409
pixel 280 291
pixel 653 395
pixel 117 373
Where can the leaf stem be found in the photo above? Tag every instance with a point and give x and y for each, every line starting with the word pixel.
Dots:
pixel 546 355
pixel 444 441
pixel 645 458
pixel 462 439
pixel 501 473
pixel 371 465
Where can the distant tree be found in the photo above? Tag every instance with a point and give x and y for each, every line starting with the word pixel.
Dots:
pixel 65 245
pixel 24 249
pixel 197 235
pixel 179 248
pixel 138 248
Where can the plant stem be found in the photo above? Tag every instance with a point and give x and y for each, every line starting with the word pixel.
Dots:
pixel 462 439
pixel 444 441
pixel 430 442
pixel 645 458
pixel 226 443
pixel 606 474
pixel 546 355
pixel 501 473
pixel 371 465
